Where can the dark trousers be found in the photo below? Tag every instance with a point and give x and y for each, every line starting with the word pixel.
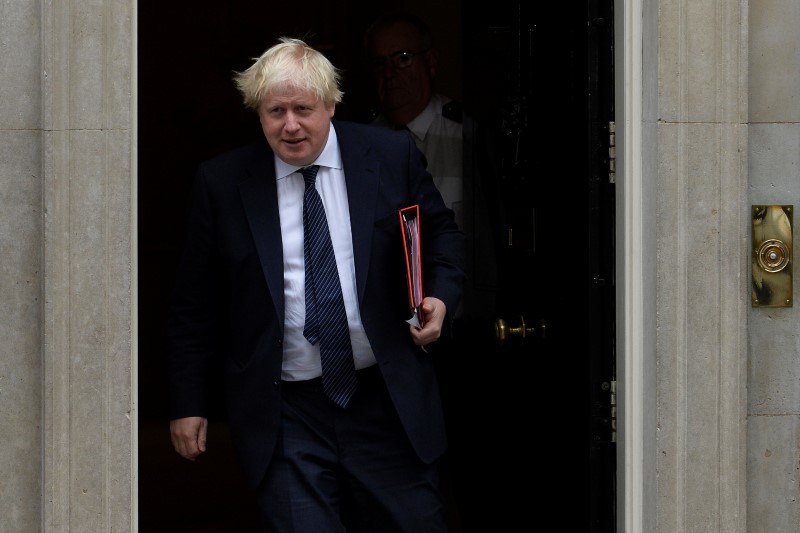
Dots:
pixel 347 470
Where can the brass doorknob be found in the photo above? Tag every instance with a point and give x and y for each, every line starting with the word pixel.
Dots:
pixel 503 331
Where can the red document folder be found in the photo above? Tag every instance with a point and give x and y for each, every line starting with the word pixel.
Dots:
pixel 410 227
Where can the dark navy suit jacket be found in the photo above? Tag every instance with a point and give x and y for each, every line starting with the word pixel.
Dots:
pixel 228 303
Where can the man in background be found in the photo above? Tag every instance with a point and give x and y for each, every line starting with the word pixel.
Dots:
pixel 403 61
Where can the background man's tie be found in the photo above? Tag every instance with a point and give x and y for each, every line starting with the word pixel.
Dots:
pixel 326 320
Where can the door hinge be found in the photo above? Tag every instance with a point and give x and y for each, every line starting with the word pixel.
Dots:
pixel 612 152
pixel 605 415
pixel 613 409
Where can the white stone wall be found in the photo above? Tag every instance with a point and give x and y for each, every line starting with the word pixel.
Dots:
pixel 21 303
pixel 67 234
pixel 702 292
pixel 773 406
pixel 88 240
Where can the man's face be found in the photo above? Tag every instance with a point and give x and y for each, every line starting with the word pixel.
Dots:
pixel 404 83
pixel 296 124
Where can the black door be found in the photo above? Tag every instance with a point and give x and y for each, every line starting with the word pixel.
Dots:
pixel 530 393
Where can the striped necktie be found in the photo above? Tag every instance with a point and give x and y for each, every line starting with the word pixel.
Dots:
pixel 326 319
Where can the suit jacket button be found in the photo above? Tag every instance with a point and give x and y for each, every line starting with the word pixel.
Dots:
pixel 276 385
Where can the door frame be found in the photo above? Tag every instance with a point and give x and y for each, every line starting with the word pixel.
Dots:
pixel 636 281
pixel 635 285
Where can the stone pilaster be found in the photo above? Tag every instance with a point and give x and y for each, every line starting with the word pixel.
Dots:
pixel 89 323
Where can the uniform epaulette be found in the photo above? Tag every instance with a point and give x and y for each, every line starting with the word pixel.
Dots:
pixel 452 111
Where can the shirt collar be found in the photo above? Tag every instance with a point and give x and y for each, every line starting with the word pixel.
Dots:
pixel 330 157
pixel 421 123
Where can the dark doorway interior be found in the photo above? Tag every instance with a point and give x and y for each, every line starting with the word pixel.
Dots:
pixel 530 416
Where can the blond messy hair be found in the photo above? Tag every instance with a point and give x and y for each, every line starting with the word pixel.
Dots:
pixel 290 63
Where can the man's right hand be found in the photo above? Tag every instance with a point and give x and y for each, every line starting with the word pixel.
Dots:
pixel 189 436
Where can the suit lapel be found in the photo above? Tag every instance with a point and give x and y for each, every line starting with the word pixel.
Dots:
pixel 260 200
pixel 361 173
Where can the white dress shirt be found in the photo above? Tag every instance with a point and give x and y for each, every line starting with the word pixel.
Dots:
pixel 300 359
pixel 441 140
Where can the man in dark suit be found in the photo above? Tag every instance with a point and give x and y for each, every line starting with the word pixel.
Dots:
pixel 240 298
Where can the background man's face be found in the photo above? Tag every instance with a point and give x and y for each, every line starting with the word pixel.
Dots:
pixel 403 91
